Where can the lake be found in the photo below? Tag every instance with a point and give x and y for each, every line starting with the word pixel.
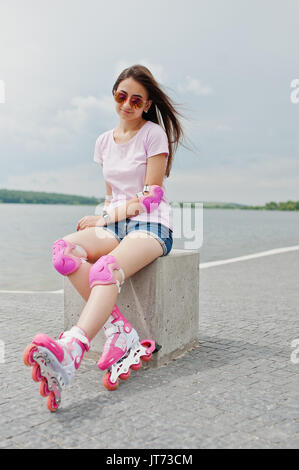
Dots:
pixel 29 230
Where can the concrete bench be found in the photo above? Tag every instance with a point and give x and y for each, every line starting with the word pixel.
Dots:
pixel 161 301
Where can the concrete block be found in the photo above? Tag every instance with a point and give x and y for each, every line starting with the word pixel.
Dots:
pixel 161 301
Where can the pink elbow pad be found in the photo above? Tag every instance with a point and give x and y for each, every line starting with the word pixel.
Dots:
pixel 152 200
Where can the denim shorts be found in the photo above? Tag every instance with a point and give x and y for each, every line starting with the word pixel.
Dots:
pixel 162 233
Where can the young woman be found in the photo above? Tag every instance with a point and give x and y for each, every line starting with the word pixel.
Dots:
pixel 134 230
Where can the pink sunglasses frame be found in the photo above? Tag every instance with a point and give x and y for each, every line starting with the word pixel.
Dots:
pixel 132 105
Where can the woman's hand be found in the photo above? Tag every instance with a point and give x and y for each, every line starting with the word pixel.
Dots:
pixel 90 221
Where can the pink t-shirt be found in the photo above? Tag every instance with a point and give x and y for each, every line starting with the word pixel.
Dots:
pixel 124 167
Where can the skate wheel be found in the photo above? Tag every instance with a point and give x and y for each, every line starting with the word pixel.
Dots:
pixel 146 358
pixel 125 376
pixel 44 389
pixel 107 384
pixel 51 403
pixel 28 355
pixel 136 366
pixel 36 374
pixel 150 345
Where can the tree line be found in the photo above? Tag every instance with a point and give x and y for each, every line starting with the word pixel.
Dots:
pixel 269 206
pixel 35 197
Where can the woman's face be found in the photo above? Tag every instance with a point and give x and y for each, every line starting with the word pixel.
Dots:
pixel 132 89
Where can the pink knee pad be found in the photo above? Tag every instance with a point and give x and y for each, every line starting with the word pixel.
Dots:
pixel 101 272
pixel 63 259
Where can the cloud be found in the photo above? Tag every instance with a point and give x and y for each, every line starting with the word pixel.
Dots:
pixel 195 86
pixel 33 136
pixel 157 70
pixel 262 180
pixel 223 127
pixel 82 180
pixel 82 110
pixel 57 131
pixel 54 111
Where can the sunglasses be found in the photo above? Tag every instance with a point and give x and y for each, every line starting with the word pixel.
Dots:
pixel 135 101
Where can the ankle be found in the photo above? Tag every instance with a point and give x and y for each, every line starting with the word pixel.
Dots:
pixel 77 333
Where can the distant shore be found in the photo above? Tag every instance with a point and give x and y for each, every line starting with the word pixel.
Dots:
pixel 10 196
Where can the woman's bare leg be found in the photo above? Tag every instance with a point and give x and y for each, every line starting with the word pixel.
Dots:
pixel 134 252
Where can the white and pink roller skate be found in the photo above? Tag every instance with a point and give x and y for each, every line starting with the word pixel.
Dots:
pixel 123 350
pixel 55 362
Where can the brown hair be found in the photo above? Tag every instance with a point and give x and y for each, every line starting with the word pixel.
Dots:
pixel 161 104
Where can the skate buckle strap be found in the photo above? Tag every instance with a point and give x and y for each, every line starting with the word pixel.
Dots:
pixel 111 329
pixel 119 284
pixel 74 333
pixel 101 272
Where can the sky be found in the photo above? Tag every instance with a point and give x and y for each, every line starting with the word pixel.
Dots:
pixel 230 67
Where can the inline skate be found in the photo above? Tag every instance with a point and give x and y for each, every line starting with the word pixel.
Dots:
pixel 123 351
pixel 54 362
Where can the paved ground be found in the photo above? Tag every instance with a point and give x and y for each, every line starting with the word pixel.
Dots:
pixel 239 389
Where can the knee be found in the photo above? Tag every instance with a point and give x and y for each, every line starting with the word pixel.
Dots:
pixel 67 257
pixel 101 272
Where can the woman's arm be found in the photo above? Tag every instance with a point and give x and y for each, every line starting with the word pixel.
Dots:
pixel 155 171
pixel 154 176
pixel 108 196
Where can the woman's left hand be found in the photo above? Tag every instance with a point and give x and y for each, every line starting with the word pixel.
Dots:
pixel 90 221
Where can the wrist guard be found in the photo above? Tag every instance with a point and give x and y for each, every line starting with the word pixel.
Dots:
pixel 152 200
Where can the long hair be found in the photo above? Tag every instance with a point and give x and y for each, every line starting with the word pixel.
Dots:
pixel 162 110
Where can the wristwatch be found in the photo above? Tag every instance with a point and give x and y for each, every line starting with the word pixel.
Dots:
pixel 106 217
pixel 145 190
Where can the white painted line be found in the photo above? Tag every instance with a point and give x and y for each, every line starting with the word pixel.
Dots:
pixel 31 291
pixel 2 91
pixel 276 251
pixel 210 264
